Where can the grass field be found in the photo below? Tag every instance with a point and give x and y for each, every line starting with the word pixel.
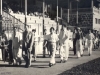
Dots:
pixel 90 68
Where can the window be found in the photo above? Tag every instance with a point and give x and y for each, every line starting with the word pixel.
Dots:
pixel 99 21
pixel 96 20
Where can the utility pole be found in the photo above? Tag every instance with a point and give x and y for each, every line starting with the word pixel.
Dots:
pixel 0 16
pixel 25 13
pixel 43 15
pixel 68 13
pixel 77 13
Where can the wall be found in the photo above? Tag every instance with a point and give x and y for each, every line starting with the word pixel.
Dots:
pixel 85 17
pixel 96 18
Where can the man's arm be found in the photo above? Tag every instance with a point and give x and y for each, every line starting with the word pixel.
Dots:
pixel 32 42
pixel 66 36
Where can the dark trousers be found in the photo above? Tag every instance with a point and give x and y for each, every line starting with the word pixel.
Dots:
pixel 10 55
pixel 74 46
pixel 15 52
pixel 27 56
pixel 44 51
pixel 3 54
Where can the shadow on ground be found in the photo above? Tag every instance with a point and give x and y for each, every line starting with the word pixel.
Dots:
pixel 89 68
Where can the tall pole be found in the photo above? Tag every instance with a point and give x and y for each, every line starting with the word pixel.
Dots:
pixel 68 13
pixel 77 13
pixel 21 5
pixel 43 15
pixel 92 3
pixel 0 7
pixel 57 18
pixel 0 16
pixel 61 13
pixel 25 13
pixel 61 16
pixel 70 5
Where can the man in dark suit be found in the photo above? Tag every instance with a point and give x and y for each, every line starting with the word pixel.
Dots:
pixel 26 45
pixel 74 41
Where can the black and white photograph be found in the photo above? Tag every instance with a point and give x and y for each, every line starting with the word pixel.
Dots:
pixel 49 37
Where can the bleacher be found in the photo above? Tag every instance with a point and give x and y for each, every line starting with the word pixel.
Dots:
pixel 36 22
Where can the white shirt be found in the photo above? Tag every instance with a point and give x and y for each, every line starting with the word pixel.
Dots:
pixel 90 36
pixel 52 38
pixel 63 36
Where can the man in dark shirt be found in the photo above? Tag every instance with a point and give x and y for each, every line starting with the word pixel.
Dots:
pixel 79 46
pixel 74 41
pixel 26 46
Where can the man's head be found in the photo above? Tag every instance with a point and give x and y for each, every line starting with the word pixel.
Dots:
pixel 79 30
pixel 3 31
pixel 27 28
pixel 52 30
pixel 90 31
pixel 45 31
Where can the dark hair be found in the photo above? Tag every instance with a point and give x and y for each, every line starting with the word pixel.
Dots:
pixel 33 30
pixel 52 28
pixel 3 31
pixel 45 29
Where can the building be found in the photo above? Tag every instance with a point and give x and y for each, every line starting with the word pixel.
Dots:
pixel 83 17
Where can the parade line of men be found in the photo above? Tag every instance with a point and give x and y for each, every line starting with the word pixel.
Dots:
pixel 52 42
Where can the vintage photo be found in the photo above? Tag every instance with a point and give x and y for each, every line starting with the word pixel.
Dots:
pixel 49 37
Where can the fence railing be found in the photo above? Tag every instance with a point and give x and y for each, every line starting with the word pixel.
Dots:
pixel 79 10
pixel 9 21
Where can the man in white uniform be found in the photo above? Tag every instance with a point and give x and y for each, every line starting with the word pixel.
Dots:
pixel 90 38
pixel 64 43
pixel 34 45
pixel 52 38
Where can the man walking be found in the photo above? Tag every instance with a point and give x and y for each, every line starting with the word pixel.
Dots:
pixel 74 41
pixel 79 46
pixel 52 38
pixel 26 45
pixel 64 43
pixel 90 38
